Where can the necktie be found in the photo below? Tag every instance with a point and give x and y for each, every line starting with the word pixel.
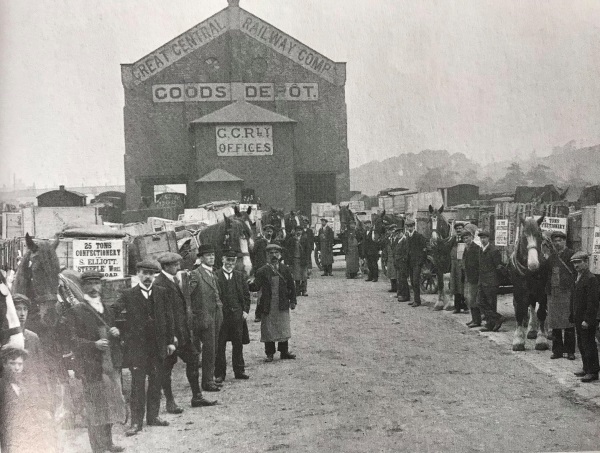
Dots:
pixel 146 293
pixel 228 275
pixel 176 280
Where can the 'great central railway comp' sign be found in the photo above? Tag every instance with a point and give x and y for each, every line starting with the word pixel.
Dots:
pixel 246 140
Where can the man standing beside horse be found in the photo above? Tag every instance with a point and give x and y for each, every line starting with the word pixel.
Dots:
pixel 370 249
pixel 457 271
pixel 417 254
pixel 490 262
pixel 297 258
pixel 401 265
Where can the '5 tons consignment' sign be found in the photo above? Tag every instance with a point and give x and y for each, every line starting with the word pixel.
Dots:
pixel 245 140
pixel 105 257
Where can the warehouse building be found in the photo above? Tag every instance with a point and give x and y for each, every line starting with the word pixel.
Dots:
pixel 236 107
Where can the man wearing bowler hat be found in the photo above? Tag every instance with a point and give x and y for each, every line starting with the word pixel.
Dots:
pixel 490 262
pixel 207 314
pixel 181 311
pixel 235 296
pixel 278 295
pixel 149 338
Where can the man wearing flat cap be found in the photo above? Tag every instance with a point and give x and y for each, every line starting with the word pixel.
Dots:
pixel 457 271
pixel 584 314
pixel 97 351
pixel 207 314
pixel 370 250
pixel 559 283
pixel 235 296
pixel 258 254
pixel 297 258
pixel 32 341
pixel 325 246
pixel 180 307
pixel 490 262
pixel 278 295
pixel 149 338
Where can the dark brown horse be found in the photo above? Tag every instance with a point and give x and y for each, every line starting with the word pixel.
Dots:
pixel 440 252
pixel 526 268
pixel 232 233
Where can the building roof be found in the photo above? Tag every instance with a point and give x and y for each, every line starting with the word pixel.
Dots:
pixel 242 112
pixel 219 175
pixel 526 194
pixel 62 190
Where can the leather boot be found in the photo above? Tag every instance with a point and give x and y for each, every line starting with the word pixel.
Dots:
pixel 394 283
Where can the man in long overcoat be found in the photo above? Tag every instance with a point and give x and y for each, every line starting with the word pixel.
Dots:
pixel 457 271
pixel 149 337
pixel 561 277
pixel 471 287
pixel 416 245
pixel 490 262
pixel 370 246
pixel 352 238
pixel 584 314
pixel 325 246
pixel 278 296
pixel 97 351
pixel 235 296
pixel 387 257
pixel 401 265
pixel 207 314
pixel 186 350
pixel 297 258
pixel 259 252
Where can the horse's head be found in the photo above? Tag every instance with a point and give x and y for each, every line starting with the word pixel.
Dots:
pixel 530 242
pixel 440 228
pixel 379 225
pixel 238 235
pixel 276 218
pixel 37 278
pixel 292 220
pixel 249 220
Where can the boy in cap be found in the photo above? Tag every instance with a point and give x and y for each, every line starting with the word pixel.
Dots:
pixel 560 279
pixel 32 341
pixel 97 351
pixel 149 338
pixel 584 314
pixel 181 311
pixel 235 296
pixel 278 295
pixel 207 314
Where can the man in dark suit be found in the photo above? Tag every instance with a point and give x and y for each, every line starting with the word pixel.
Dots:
pixel 416 245
pixel 207 314
pixel 259 253
pixel 584 314
pixel 308 239
pixel 325 239
pixel 278 296
pixel 400 253
pixel 97 351
pixel 181 312
pixel 370 249
pixel 149 337
pixel 471 266
pixel 235 296
pixel 490 262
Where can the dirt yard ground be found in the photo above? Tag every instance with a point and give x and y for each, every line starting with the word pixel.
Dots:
pixel 375 375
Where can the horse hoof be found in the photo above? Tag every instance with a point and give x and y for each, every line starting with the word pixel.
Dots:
pixel 532 335
pixel 541 347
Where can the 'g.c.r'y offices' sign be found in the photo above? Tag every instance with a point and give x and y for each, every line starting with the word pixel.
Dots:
pixel 244 140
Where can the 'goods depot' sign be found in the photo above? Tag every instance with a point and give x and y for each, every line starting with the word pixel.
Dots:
pixel 246 140
pixel 221 92
pixel 99 256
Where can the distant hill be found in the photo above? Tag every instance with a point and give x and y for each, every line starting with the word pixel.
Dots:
pixel 429 169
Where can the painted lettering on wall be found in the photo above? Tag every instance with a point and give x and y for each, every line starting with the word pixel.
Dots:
pixel 215 92
pixel 105 257
pixel 244 140
pixel 179 47
pixel 287 46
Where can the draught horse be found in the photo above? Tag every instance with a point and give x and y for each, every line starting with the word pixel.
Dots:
pixel 440 251
pixel 10 330
pixel 526 268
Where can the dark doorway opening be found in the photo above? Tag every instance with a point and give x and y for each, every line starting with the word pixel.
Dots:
pixel 314 188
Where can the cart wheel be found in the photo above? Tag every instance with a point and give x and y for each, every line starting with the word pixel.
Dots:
pixel 429 283
pixel 318 259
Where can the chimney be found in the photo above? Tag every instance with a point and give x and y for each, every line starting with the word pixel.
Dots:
pixel 61 188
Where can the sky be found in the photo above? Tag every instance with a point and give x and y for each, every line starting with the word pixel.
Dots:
pixel 491 79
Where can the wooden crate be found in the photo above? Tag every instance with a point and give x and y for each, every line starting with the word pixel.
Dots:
pixel 153 244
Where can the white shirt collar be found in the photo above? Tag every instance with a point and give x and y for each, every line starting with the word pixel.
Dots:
pixel 207 268
pixel 483 249
pixel 169 276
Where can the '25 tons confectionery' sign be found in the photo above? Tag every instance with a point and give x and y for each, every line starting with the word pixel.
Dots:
pixel 245 140
pixel 101 256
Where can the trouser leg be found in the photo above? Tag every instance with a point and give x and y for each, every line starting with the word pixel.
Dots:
pixel 192 373
pixel 221 359
pixel 208 354
pixel 153 393
pixel 138 395
pixel 569 340
pixel 282 347
pixel 586 338
pixel 97 438
pixel 394 284
pixel 237 353
pixel 168 365
pixel 416 282
pixel 269 347
pixel 298 287
pixel 557 342
pixel 487 299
